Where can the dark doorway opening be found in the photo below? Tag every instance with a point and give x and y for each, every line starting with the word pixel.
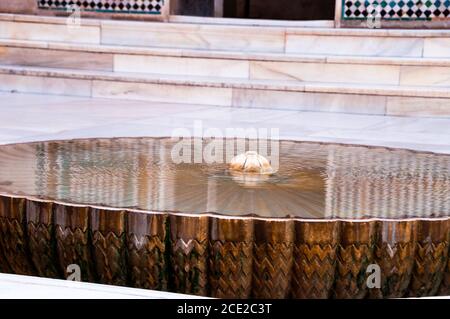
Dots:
pixel 257 9
pixel 280 9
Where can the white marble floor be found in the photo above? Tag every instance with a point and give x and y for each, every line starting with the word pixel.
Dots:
pixel 27 117
pixel 26 287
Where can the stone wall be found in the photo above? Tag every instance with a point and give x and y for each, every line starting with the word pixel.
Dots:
pixel 396 9
pixel 417 14
pixel 18 6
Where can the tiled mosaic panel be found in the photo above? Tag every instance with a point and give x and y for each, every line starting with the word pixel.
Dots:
pixel 119 6
pixel 398 9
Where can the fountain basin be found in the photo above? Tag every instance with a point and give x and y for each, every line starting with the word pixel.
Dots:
pixel 127 215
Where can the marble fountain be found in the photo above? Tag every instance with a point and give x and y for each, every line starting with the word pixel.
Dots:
pixel 124 212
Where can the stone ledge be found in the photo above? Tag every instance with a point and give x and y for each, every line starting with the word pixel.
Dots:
pixel 212 82
pixel 230 55
pixel 46 19
pixel 369 32
pixel 268 28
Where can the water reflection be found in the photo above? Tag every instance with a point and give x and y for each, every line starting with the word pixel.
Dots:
pixel 313 181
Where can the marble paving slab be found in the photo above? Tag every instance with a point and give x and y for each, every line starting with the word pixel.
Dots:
pixel 349 45
pixel 27 287
pixel 49 32
pixel 56 58
pixel 34 117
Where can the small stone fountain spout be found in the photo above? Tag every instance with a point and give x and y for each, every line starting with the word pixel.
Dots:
pixel 252 163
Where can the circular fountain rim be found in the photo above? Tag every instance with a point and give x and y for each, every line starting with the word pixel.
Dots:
pixel 217 215
pixel 389 148
pixel 32 198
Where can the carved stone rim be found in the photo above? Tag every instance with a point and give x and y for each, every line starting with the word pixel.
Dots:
pixel 297 140
pixel 219 216
pixel 287 259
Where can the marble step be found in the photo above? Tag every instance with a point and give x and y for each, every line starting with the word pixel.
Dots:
pixel 201 36
pixel 288 95
pixel 228 64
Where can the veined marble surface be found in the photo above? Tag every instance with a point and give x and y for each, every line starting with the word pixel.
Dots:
pixel 34 117
pixel 270 94
pixel 27 287
pixel 201 35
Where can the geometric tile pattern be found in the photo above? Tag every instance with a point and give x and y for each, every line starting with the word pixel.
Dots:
pixel 115 6
pixel 396 9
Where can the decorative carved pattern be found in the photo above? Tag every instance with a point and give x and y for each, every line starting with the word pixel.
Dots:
pixel 146 258
pixel 14 247
pixel 4 267
pixel 43 250
pixel 231 269
pixel 147 252
pixel 444 289
pixel 314 269
pixel 396 262
pixel 231 257
pixel 73 248
pixel 109 255
pixel 41 238
pixel 72 239
pixel 352 263
pixel 189 240
pixel 225 257
pixel 355 254
pixel 13 241
pixel 189 263
pixel 117 6
pixel 109 245
pixel 272 270
pixel 429 268
pixel 396 9
pixel 273 258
